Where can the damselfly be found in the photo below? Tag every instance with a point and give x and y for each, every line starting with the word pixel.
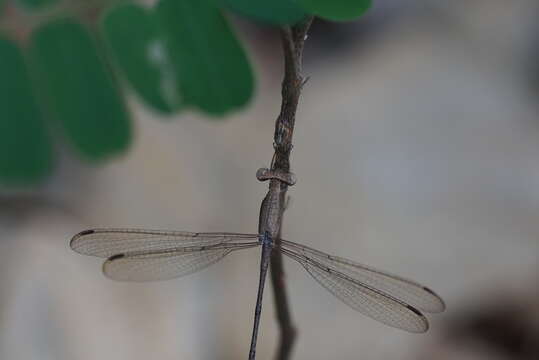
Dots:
pixel 147 255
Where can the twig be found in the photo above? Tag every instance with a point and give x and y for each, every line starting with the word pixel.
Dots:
pixel 293 39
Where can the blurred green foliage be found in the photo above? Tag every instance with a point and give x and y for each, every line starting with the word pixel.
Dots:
pixel 78 89
pixel 212 69
pixel 141 55
pixel 176 55
pixel 337 10
pixel 25 147
pixel 278 12
pixel 36 4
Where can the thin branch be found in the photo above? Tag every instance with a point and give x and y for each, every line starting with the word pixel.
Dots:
pixel 293 39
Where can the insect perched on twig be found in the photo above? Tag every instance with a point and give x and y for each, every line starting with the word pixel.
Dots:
pixel 147 255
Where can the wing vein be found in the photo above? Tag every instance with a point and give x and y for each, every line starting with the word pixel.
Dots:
pixel 366 299
pixel 401 288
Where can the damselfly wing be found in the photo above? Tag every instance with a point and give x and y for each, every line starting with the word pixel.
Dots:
pixel 148 255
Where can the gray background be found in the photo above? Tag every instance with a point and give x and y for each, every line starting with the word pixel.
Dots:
pixel 416 151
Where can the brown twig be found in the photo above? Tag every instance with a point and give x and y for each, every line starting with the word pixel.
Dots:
pixel 293 39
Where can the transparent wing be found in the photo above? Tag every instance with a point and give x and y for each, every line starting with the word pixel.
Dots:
pixel 398 287
pixel 146 255
pixel 109 242
pixel 365 299
pixel 368 301
pixel 161 266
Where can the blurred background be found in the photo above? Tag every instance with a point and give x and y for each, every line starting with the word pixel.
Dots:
pixel 416 151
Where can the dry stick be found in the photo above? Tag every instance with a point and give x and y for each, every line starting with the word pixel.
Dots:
pixel 293 39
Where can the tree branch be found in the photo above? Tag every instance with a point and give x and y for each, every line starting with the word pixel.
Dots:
pixel 293 39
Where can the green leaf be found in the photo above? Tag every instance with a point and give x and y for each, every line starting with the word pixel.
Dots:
pixel 212 69
pixel 337 10
pixel 278 12
pixel 78 89
pixel 25 147
pixel 138 46
pixel 36 4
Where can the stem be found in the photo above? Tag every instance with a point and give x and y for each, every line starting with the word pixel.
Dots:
pixel 293 39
